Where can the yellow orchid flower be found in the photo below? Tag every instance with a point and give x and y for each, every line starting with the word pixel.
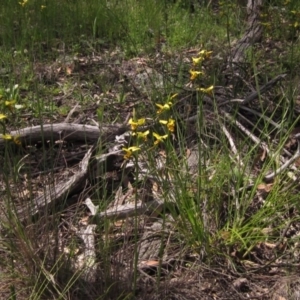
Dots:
pixel 205 54
pixel 164 107
pixel 134 124
pixel 6 136
pixel 2 116
pixel 142 135
pixel 170 124
pixel 10 104
pixel 206 90
pixel 23 3
pixel 195 74
pixel 159 138
pixel 17 140
pixel 9 137
pixel 167 105
pixel 129 151
pixel 197 60
pixel 173 96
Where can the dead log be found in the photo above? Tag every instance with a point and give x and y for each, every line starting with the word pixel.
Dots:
pixel 67 132
pixel 71 132
pixel 52 196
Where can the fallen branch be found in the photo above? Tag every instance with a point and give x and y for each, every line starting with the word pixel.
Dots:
pixel 127 210
pixel 66 131
pixel 263 89
pixel 52 196
pixel 272 175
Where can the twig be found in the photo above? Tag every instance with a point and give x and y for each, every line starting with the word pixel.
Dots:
pixel 70 113
pixel 284 233
pixel 246 131
pixel 263 89
pixel 93 209
pixel 278 126
pixel 232 145
pixel 271 176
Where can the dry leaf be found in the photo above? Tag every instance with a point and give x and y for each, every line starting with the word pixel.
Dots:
pixel 270 245
pixel 240 283
pixel 69 70
pixel 119 223
pixel 155 187
pixel 188 153
pixel 150 263
pixel 84 221
pixel 163 153
pixel 265 187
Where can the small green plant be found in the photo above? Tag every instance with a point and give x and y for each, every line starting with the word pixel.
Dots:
pixel 9 105
pixel 224 210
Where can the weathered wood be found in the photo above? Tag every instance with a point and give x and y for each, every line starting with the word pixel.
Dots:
pixel 52 196
pixel 262 89
pixel 131 210
pixel 66 131
pixel 252 35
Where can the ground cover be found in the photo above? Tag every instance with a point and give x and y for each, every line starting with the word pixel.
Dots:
pixel 149 150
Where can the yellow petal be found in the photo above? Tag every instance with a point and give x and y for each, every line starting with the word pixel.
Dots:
pixel 142 135
pixel 205 54
pixel 195 74
pixel 10 103
pixel 6 136
pixel 133 149
pixel 171 125
pixel 163 122
pixel 159 138
pixel 17 140
pixel 206 90
pixel 141 121
pixel 197 60
pixel 164 107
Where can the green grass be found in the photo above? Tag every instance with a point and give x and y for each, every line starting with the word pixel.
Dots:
pixel 70 52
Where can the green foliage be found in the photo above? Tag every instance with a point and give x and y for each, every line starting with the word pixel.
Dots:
pixel 217 210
